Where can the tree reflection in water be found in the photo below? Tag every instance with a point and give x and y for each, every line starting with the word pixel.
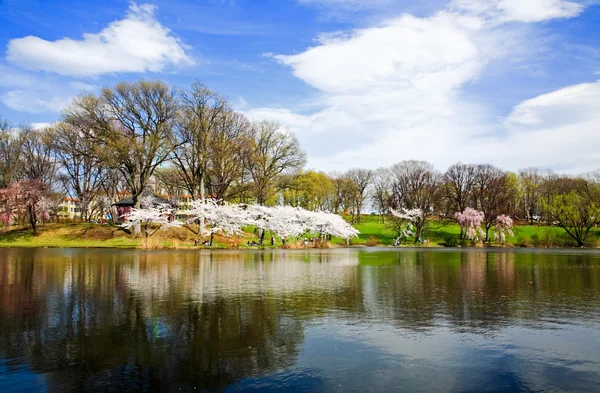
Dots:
pixel 101 320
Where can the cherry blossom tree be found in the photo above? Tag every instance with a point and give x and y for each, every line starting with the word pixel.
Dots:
pixel 504 225
pixel 150 217
pixel 408 222
pixel 227 219
pixel 470 221
pixel 284 221
pixel 25 199
pixel 329 224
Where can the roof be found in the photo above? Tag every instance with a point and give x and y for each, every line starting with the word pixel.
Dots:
pixel 156 200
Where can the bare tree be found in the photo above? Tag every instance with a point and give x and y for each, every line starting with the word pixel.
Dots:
pixel 493 194
pixel 131 128
pixel 228 149
pixel 83 171
pixel 381 194
pixel 273 151
pixel 39 162
pixel 416 186
pixel 169 182
pixel 11 148
pixel 201 113
pixel 343 193
pixel 458 185
pixel 361 178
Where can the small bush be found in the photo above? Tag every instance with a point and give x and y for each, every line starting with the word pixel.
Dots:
pixel 525 241
pixel 450 241
pixel 372 241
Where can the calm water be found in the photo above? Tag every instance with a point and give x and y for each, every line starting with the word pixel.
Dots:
pixel 319 321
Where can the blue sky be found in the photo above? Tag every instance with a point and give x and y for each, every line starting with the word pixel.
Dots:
pixel 509 82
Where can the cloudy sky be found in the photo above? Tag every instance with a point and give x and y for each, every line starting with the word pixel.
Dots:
pixel 514 83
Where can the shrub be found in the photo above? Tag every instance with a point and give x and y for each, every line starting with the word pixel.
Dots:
pixel 524 241
pixel 450 240
pixel 372 241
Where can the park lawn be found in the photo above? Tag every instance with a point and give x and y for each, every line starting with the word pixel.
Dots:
pixel 69 235
pixel 439 233
pixel 87 235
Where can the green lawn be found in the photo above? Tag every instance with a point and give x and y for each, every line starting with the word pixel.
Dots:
pixel 442 234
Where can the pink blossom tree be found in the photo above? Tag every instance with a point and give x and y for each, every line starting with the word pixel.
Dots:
pixel 470 221
pixel 25 199
pixel 504 226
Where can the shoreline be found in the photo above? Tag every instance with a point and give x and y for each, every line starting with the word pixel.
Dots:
pixel 102 246
pixel 372 234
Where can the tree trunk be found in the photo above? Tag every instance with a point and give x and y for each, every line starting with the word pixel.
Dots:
pixel 203 200
pixel 32 219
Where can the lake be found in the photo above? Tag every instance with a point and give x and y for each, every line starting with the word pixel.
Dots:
pixel 342 320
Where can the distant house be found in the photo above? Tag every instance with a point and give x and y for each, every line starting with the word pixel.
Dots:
pixel 69 209
pixel 125 205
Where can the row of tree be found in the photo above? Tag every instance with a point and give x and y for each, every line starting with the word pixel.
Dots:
pixel 230 219
pixel 531 195
pixel 192 142
pixel 134 134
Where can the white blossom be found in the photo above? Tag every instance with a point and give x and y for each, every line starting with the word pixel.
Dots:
pixel 159 216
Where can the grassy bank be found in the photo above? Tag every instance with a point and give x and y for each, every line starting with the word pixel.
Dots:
pixel 373 233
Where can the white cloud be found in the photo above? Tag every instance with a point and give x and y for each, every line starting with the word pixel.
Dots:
pixel 295 122
pixel 520 10
pixel 395 84
pixel 559 129
pixel 82 87
pixel 395 92
pixel 34 101
pixel 26 91
pixel 408 52
pixel 137 43
pixel 40 126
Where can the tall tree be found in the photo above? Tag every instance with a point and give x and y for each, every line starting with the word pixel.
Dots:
pixel 416 187
pixel 39 162
pixel 202 112
pixel 131 128
pixel 228 149
pixel 273 151
pixel 307 189
pixel 531 184
pixel 83 171
pixel 362 179
pixel 575 208
pixel 493 195
pixel 381 193
pixel 458 187
pixel 11 148
pixel 343 193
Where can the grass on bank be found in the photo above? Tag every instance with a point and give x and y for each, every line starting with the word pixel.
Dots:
pixel 446 234
pixel 372 233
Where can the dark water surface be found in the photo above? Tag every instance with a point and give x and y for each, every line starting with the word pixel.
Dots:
pixel 299 321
